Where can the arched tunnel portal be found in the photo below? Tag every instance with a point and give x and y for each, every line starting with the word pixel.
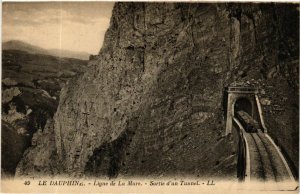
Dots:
pixel 246 99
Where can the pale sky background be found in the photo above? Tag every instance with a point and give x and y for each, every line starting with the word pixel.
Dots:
pixel 75 26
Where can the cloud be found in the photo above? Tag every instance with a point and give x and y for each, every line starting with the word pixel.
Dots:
pixel 17 16
pixel 35 14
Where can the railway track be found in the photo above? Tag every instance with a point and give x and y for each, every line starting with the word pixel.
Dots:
pixel 264 158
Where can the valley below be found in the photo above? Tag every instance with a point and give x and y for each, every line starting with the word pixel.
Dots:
pixel 31 85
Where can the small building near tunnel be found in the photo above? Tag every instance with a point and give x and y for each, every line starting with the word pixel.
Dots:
pixel 242 98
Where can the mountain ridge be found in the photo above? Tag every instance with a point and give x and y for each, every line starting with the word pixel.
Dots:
pixel 32 49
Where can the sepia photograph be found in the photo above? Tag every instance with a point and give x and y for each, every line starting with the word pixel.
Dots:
pixel 150 97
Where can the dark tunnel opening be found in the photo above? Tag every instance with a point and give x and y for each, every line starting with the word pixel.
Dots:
pixel 243 104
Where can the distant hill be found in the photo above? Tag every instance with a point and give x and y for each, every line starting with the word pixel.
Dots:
pixel 69 54
pixel 23 46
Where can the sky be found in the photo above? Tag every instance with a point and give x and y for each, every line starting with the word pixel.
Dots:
pixel 75 26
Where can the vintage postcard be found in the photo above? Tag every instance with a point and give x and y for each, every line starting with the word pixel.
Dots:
pixel 150 97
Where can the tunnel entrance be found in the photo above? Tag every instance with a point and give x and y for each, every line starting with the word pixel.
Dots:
pixel 246 99
pixel 243 104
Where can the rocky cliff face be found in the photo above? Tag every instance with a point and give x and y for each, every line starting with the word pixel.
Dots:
pixel 151 102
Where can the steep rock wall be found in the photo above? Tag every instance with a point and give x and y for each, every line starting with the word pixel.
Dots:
pixel 151 103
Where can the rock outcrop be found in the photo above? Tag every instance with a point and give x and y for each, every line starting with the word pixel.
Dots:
pixel 151 103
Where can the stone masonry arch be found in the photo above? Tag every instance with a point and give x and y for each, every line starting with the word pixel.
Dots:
pixel 234 95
